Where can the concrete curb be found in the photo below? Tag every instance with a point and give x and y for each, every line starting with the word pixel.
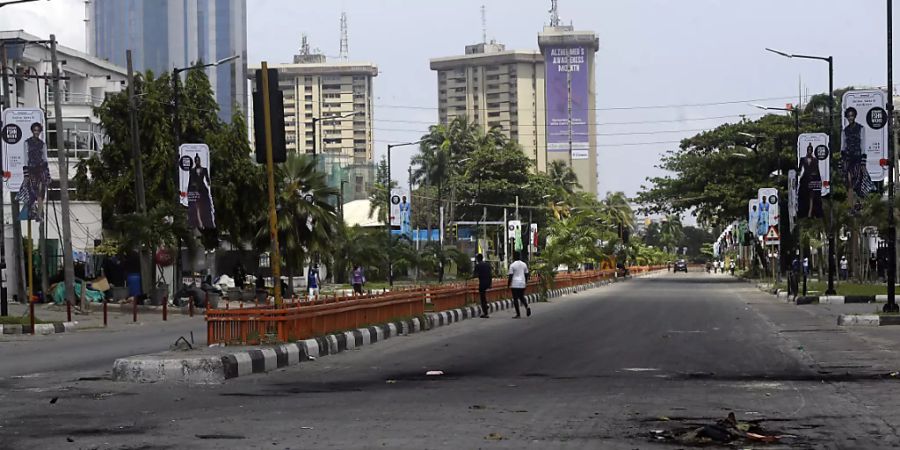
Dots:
pixel 867 320
pixel 43 329
pixel 216 368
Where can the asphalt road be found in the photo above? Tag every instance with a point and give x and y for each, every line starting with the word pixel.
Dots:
pixel 91 350
pixel 600 369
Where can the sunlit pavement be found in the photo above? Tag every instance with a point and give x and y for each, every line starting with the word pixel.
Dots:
pixel 600 369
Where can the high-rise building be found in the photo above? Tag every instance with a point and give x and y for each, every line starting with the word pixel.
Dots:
pixel 328 112
pixel 495 87
pixel 571 117
pixel 165 34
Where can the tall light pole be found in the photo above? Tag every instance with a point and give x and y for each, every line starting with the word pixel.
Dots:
pixel 796 113
pixel 891 305
pixel 14 2
pixel 832 140
pixel 387 215
pixel 176 131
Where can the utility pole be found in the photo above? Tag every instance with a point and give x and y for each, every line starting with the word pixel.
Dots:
pixel 270 173
pixel 14 204
pixel 891 305
pixel 68 263
pixel 4 301
pixel 146 270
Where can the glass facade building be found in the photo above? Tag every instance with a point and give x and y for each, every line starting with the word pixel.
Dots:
pixel 163 34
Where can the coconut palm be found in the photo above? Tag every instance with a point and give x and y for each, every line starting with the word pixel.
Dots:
pixel 562 175
pixel 304 226
pixel 671 232
pixel 617 210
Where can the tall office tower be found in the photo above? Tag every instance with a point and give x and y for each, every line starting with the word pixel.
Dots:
pixel 328 111
pixel 166 34
pixel 495 87
pixel 570 98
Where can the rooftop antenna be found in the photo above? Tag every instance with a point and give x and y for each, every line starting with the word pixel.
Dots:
pixel 345 45
pixel 483 25
pixel 304 44
pixel 554 13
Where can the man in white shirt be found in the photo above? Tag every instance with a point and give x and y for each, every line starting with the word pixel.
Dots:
pixel 518 281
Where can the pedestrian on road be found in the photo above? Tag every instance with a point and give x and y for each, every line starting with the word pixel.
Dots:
pixel 312 281
pixel 483 273
pixel 669 266
pixel 732 267
pixel 518 281
pixel 805 267
pixel 357 279
pixel 845 268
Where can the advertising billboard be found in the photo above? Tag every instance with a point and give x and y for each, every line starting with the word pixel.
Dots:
pixel 864 132
pixel 769 215
pixel 567 78
pixel 400 210
pixel 195 186
pixel 814 182
pixel 25 166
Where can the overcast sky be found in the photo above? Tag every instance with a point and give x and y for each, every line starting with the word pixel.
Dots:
pixel 652 52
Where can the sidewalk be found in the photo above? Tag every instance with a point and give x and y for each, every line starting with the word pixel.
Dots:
pixel 119 317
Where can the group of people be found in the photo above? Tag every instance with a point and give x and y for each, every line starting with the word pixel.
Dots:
pixel 718 266
pixel 517 282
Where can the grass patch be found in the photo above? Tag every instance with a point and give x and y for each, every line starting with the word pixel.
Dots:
pixel 18 320
pixel 842 288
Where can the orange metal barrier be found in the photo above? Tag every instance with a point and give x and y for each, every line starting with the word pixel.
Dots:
pixel 301 318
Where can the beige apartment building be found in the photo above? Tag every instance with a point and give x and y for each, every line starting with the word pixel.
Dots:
pixel 328 107
pixel 328 111
pixel 495 87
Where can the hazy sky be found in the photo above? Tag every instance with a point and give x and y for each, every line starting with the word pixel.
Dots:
pixel 674 53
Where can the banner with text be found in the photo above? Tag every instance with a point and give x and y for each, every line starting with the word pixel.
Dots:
pixel 195 186
pixel 814 182
pixel 22 134
pixel 864 137
pixel 567 78
pixel 769 215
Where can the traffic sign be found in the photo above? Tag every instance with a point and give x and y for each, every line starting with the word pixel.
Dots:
pixel 772 237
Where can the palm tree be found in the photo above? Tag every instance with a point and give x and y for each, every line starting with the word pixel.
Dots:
pixel 562 175
pixel 617 209
pixel 671 232
pixel 304 226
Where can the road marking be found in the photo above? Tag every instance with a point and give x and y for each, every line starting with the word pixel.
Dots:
pixel 640 369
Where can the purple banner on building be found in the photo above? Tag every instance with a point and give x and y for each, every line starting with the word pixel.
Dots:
pixel 567 98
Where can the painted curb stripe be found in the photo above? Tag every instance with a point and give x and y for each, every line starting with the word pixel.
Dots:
pixel 230 366
pixel 257 361
pixel 281 356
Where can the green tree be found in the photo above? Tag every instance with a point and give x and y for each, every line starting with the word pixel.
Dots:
pixel 304 227
pixel 562 175
pixel 671 233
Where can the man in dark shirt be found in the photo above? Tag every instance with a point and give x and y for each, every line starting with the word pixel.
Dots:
pixel 483 273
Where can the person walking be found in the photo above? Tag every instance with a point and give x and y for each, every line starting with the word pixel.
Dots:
pixel 518 281
pixel 312 281
pixel 732 267
pixel 357 279
pixel 485 277
pixel 845 268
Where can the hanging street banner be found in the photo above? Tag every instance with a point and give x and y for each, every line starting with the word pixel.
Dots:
pixel 792 198
pixel 515 233
pixel 769 213
pixel 864 137
pixel 16 137
pixel 567 79
pixel 814 163
pixel 533 236
pixel 400 209
pixel 195 186
pixel 753 216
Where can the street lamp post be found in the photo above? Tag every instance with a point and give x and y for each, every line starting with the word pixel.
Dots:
pixel 14 2
pixel 891 305
pixel 796 114
pixel 176 131
pixel 387 215
pixel 831 243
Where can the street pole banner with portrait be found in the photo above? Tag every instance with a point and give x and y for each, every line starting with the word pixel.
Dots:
pixel 515 234
pixel 793 195
pixel 814 163
pixel 568 81
pixel 864 136
pixel 195 186
pixel 753 216
pixel 400 210
pixel 769 215
pixel 25 166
